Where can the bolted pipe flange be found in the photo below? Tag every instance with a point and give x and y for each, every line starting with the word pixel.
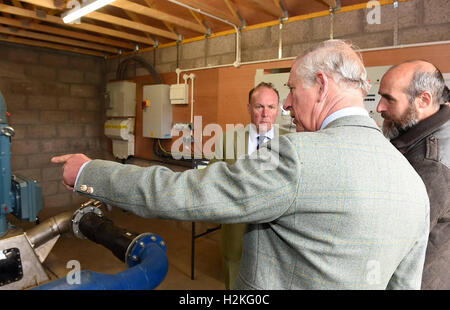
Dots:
pixel 137 246
pixel 91 206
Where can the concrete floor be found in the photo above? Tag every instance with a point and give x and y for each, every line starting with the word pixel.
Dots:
pixel 177 235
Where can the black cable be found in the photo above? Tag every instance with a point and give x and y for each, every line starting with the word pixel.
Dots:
pixel 121 70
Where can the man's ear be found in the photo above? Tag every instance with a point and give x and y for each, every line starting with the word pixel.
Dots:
pixel 322 81
pixel 424 105
pixel 424 100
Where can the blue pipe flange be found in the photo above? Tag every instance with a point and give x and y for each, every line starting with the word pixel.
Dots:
pixel 135 250
pixel 87 207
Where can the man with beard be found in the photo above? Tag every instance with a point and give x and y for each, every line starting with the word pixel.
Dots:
pixel 417 120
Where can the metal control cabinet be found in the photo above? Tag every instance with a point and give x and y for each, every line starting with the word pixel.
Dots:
pixel 121 99
pixel 157 115
pixel 374 75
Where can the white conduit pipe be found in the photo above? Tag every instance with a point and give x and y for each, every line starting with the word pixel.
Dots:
pixel 192 77
pixel 294 57
pixel 238 34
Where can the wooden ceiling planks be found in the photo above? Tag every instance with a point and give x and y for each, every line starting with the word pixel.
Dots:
pixel 128 25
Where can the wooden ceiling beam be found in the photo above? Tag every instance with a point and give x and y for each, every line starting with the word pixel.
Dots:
pixel 131 24
pixel 38 27
pixel 330 3
pixel 112 20
pixel 156 14
pixel 17 3
pixel 168 25
pixel 50 45
pixel 134 17
pixel 50 38
pixel 50 4
pixel 234 11
pixel 268 7
pixel 88 27
pixel 200 20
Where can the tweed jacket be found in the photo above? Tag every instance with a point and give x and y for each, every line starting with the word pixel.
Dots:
pixel 339 208
pixel 427 148
pixel 231 240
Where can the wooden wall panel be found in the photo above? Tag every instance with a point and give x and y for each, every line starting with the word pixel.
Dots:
pixel 439 55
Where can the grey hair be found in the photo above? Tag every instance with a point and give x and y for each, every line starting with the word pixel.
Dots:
pixel 446 95
pixel 335 58
pixel 427 81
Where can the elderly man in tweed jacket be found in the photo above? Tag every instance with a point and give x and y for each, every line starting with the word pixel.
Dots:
pixel 336 207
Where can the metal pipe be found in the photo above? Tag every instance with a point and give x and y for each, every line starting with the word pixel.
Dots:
pixel 294 57
pixel 280 41
pixel 148 274
pixel 103 231
pixel 343 9
pixel 238 36
pixel 145 254
pixel 403 46
pixel 49 229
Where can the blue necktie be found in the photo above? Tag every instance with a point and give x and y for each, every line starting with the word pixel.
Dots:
pixel 260 140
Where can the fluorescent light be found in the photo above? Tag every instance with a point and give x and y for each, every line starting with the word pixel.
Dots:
pixel 84 9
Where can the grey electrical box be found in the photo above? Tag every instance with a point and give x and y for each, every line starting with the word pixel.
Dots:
pixel 157 112
pixel 121 99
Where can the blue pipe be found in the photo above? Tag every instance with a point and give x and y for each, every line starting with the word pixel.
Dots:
pixel 148 267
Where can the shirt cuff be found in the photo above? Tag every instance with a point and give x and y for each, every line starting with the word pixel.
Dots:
pixel 79 172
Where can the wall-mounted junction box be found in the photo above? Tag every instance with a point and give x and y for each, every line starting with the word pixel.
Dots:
pixel 157 116
pixel 179 94
pixel 121 99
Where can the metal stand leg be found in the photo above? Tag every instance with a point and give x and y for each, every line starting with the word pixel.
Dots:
pixel 193 237
pixel 192 250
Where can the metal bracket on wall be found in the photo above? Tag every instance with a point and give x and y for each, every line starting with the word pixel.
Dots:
pixel 396 23
pixel 334 7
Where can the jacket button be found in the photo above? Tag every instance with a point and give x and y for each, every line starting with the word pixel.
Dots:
pixel 90 190
pixel 83 188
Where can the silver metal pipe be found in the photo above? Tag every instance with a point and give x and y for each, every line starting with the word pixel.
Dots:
pixel 236 28
pixel 280 41
pixel 49 229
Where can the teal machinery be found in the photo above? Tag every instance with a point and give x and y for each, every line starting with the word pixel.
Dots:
pixel 22 253
pixel 18 195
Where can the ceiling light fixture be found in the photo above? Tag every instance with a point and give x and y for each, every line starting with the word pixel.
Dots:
pixel 84 9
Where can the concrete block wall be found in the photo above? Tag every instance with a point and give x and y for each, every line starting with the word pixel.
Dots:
pixel 55 105
pixel 419 21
